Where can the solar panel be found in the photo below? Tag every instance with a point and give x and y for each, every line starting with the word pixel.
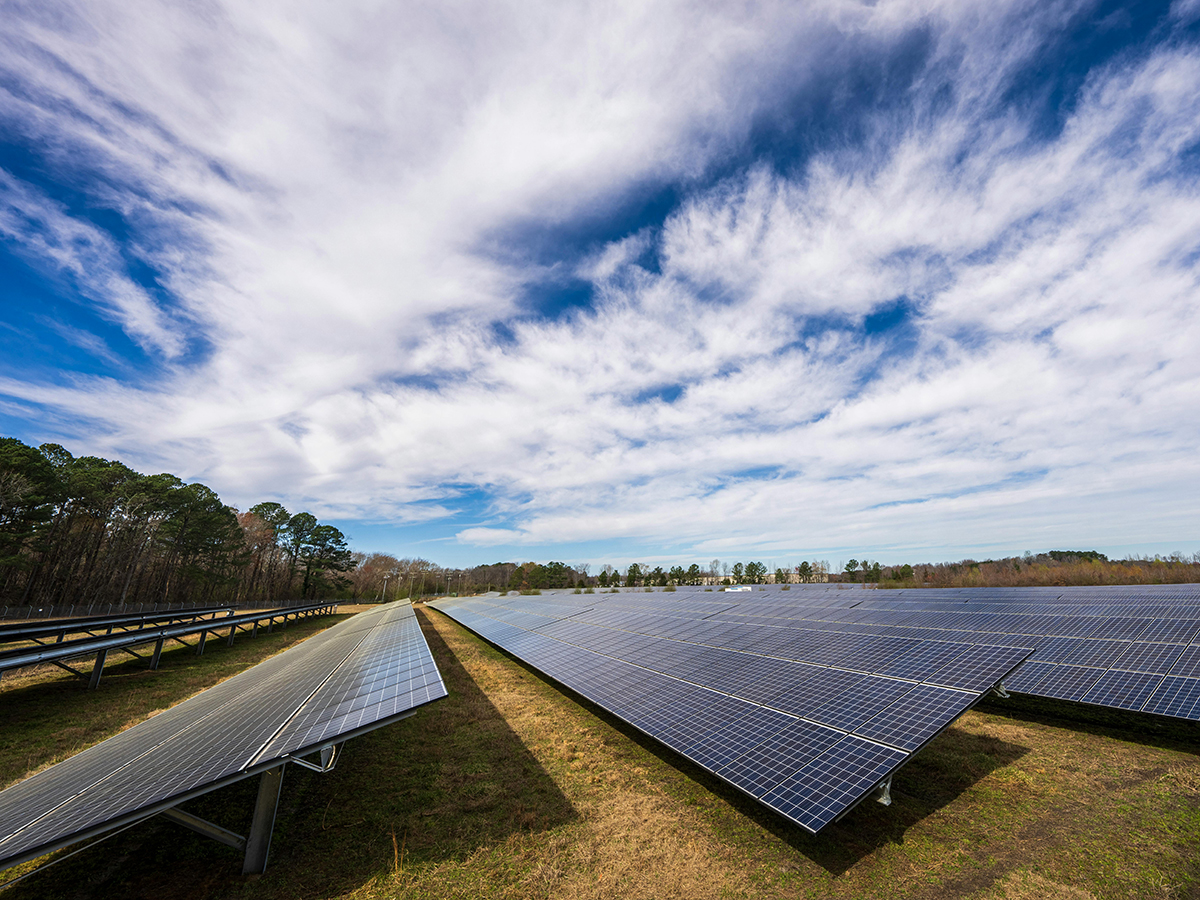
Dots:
pixel 1176 697
pixel 1151 629
pixel 1122 690
pixel 916 717
pixel 825 787
pixel 796 717
pixel 360 674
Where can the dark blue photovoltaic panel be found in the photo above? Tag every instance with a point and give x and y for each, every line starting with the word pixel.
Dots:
pixel 1067 682
pixel 833 782
pixel 976 670
pixel 925 659
pixel 1090 652
pixel 728 740
pixel 1188 664
pixel 917 716
pixel 763 678
pixel 726 692
pixel 819 684
pixel 1029 676
pixel 760 769
pixel 1149 657
pixel 1176 697
pixel 851 708
pixel 1172 631
pixel 1122 690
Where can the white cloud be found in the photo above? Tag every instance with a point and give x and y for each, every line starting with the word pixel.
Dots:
pixel 363 194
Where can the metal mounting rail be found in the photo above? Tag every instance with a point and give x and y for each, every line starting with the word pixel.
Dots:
pixel 97 625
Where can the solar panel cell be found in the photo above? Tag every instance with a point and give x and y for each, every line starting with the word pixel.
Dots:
pixel 1067 682
pixel 726 741
pixel 925 659
pixel 976 669
pixel 1188 663
pixel 813 690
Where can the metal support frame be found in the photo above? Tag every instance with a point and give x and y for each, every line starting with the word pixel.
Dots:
pixel 999 691
pixel 205 827
pixel 883 791
pixel 62 665
pixel 97 669
pixel 258 844
pixel 330 754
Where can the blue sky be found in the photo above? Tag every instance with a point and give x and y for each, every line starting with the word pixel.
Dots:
pixel 604 282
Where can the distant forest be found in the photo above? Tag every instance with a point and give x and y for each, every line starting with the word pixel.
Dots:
pixel 1053 568
pixel 85 531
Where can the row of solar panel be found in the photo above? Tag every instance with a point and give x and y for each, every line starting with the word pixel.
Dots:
pixel 358 674
pixel 1127 662
pixel 802 736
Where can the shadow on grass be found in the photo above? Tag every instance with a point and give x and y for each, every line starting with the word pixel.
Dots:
pixel 933 778
pixel 437 786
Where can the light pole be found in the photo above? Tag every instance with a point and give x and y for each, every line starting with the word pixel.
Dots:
pixel 385 581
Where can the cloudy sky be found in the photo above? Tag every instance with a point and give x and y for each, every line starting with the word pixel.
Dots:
pixel 602 281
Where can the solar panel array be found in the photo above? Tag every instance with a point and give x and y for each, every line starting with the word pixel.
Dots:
pixel 805 721
pixel 1128 647
pixel 358 675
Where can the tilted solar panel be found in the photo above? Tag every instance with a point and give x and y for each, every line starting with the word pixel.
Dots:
pixel 808 721
pixel 1085 637
pixel 360 674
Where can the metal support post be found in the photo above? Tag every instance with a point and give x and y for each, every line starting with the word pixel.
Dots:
pixel 158 645
pixel 232 632
pixel 883 791
pixel 200 646
pixel 97 669
pixel 258 844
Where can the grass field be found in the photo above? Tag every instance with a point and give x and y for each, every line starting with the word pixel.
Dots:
pixel 511 788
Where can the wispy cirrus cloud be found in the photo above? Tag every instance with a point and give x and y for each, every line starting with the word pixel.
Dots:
pixel 819 277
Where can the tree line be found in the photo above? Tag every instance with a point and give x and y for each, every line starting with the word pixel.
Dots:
pixel 87 531
pixel 1049 569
